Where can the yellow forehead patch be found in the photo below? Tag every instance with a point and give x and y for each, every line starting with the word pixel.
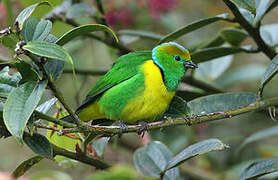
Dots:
pixel 172 49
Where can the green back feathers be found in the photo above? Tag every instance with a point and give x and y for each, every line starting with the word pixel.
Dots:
pixel 124 68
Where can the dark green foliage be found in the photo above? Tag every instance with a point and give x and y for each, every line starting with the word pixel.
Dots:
pixel 39 144
pixel 26 165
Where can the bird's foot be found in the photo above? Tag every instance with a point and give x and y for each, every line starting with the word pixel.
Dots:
pixel 144 127
pixel 123 127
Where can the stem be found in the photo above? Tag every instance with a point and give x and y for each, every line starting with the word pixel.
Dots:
pixel 252 31
pixel 80 157
pixel 108 41
pixel 59 130
pixel 57 92
pixel 189 119
pixel 101 10
pixel 54 120
pixel 202 85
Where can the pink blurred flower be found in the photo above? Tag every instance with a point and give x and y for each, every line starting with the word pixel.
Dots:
pixel 120 18
pixel 2 12
pixel 157 7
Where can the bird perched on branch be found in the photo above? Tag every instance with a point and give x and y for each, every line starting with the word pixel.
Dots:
pixel 138 88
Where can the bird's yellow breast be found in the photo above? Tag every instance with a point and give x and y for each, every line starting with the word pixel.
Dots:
pixel 153 101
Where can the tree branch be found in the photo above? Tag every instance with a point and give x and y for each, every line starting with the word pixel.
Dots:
pixel 52 119
pixel 108 41
pixel 201 84
pixel 57 92
pixel 80 157
pixel 189 119
pixel 252 31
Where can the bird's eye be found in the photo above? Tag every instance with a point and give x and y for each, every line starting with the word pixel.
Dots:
pixel 177 58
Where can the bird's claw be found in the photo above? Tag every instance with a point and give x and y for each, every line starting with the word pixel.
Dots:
pixel 144 127
pixel 123 127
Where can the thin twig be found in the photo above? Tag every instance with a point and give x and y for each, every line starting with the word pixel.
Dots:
pixel 201 84
pixel 54 120
pixel 80 157
pixel 254 32
pixel 57 92
pixel 60 131
pixel 108 41
pixel 101 10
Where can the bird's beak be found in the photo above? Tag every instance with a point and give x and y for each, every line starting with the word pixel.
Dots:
pixel 190 64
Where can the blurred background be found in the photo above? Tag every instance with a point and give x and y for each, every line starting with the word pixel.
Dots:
pixel 234 73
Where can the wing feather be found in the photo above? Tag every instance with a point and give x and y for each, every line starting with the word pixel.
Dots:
pixel 124 68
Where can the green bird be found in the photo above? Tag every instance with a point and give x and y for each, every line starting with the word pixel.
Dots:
pixel 139 87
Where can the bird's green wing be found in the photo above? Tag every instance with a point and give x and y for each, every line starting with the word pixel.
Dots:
pixel 124 68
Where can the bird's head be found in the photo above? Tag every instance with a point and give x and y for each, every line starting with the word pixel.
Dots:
pixel 172 57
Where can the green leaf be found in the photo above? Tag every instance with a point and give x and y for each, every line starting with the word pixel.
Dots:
pixel 221 102
pixel 53 67
pixel 261 8
pixel 26 165
pixel 259 136
pixel 195 150
pixel 214 52
pixel 177 108
pixel 39 144
pixel 260 168
pixel 27 72
pixel 152 159
pixel 249 5
pixel 100 145
pixel 80 10
pixel 247 15
pixel 26 13
pixel 84 29
pixel 29 28
pixel 49 50
pixel 242 74
pixel 42 30
pixel 270 72
pixel 233 36
pixel 207 71
pixel 8 82
pixel 88 139
pixel 269 34
pixel 191 27
pixel 142 34
pixel 9 41
pixel 44 108
pixel 20 104
pixel 62 141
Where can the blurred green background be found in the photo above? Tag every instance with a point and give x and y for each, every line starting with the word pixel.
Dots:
pixel 161 17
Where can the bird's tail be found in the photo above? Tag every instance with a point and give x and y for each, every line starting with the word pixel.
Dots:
pixel 68 118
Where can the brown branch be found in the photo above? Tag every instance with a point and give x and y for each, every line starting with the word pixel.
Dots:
pixel 254 32
pixel 185 120
pixel 189 119
pixel 80 157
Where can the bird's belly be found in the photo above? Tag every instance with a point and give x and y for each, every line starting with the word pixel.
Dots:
pixel 146 107
pixel 153 101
